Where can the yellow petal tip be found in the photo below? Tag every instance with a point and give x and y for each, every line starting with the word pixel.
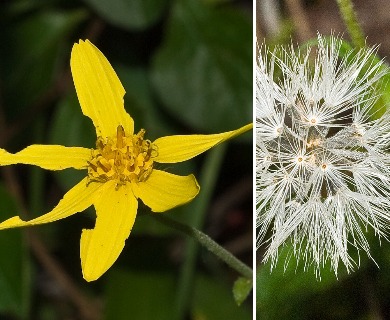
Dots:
pixel 99 89
pixel 90 277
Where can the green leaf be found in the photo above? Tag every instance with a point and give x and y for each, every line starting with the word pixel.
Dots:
pixel 72 129
pixel 203 71
pixel 139 295
pixel 139 102
pixel 134 14
pixel 213 300
pixel 289 286
pixel 241 289
pixel 29 61
pixel 12 257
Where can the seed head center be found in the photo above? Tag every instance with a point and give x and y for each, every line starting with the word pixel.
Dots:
pixel 122 158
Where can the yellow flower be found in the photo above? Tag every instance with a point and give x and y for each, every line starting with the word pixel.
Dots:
pixel 120 169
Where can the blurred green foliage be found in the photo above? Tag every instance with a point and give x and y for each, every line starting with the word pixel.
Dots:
pixel 290 292
pixel 13 265
pixel 186 66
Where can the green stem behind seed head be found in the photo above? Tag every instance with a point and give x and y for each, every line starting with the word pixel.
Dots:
pixel 350 19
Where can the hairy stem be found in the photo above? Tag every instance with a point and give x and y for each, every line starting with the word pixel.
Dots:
pixel 350 19
pixel 208 243
pixel 208 178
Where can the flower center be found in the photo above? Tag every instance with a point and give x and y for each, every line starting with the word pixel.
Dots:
pixel 313 121
pixel 279 131
pixel 122 158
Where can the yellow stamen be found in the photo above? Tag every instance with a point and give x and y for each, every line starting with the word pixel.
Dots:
pixel 122 158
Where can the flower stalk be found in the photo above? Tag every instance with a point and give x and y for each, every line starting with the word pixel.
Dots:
pixel 350 19
pixel 208 177
pixel 208 243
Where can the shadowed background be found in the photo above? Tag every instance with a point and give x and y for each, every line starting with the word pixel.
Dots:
pixel 186 67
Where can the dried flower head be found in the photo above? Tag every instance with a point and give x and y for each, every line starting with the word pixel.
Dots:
pixel 323 174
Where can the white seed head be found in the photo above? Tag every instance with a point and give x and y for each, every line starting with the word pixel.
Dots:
pixel 323 162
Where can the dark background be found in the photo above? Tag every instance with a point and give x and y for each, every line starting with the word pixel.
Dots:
pixel 186 66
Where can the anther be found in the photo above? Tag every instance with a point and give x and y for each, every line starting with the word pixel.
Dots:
pixel 100 143
pixel 120 134
pixel 122 158
pixel 103 166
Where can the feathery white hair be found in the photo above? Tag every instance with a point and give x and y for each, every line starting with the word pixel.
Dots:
pixel 323 173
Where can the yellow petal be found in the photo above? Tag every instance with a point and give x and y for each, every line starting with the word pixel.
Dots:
pixel 77 199
pixel 173 149
pixel 100 247
pixel 99 90
pixel 163 191
pixel 51 157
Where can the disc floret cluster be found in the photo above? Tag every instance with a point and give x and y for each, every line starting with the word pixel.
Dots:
pixel 122 158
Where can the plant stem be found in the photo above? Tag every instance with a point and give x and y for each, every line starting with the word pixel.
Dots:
pixel 209 243
pixel 198 209
pixel 350 19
